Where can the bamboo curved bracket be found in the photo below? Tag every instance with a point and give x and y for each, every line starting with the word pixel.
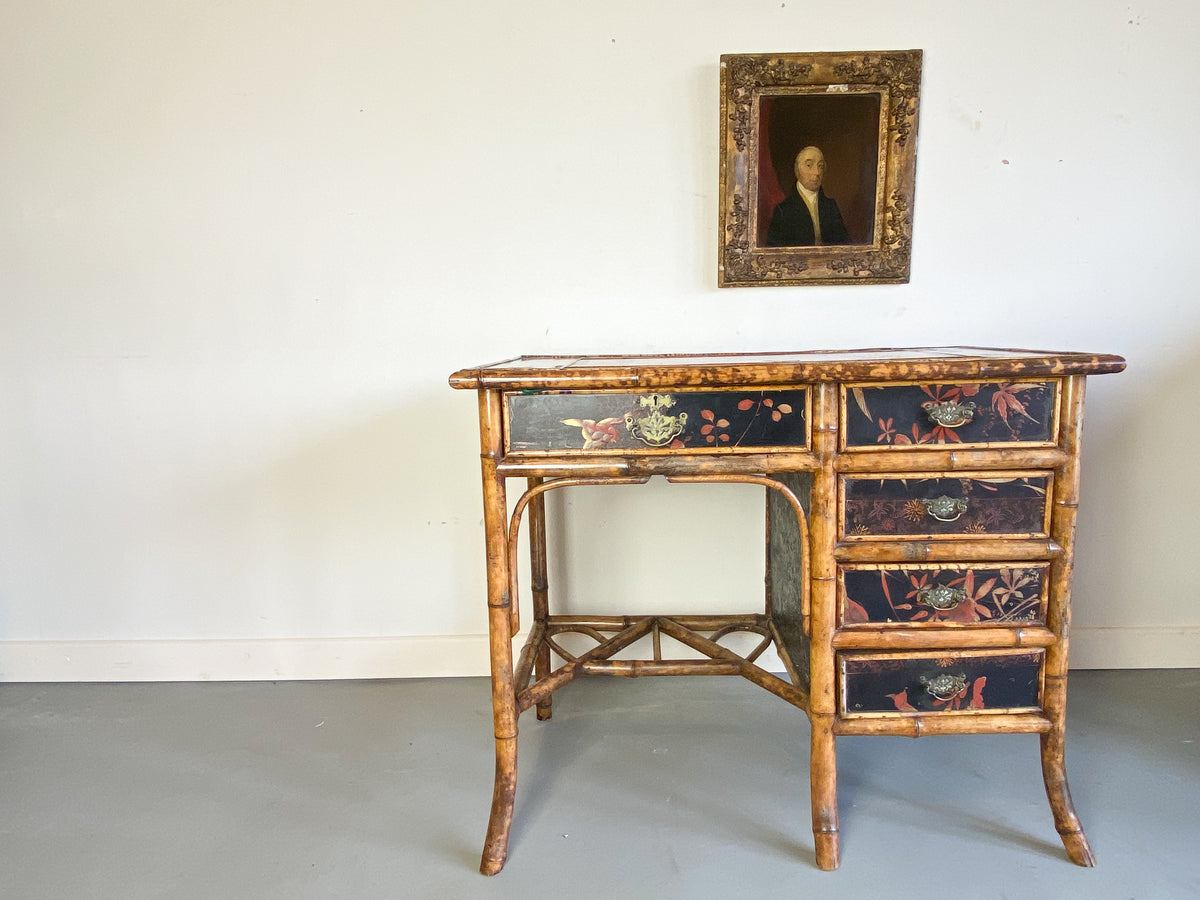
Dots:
pixel 541 488
pixel 514 525
pixel 801 519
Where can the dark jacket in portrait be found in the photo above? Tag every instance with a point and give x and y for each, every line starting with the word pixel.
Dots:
pixel 792 225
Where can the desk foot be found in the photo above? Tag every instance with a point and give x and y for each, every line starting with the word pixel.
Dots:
pixel 1058 791
pixel 495 847
pixel 828 855
pixel 1078 848
pixel 823 784
pixel 492 867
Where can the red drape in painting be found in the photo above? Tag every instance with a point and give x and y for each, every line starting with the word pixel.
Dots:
pixel 770 192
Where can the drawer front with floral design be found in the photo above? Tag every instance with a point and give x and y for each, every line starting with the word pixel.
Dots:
pixel 968 681
pixel 550 421
pixel 890 507
pixel 987 594
pixel 984 414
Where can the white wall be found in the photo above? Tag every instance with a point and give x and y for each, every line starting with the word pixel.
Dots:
pixel 243 244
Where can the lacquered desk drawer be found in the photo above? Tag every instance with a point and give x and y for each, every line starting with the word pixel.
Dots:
pixel 898 416
pixel 968 681
pixel 970 595
pixel 997 504
pixel 556 421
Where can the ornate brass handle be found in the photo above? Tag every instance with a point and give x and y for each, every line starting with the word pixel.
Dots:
pixel 941 597
pixel 656 428
pixel 949 413
pixel 944 686
pixel 946 509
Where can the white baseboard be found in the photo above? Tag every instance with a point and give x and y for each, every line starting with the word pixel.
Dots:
pixel 1150 647
pixel 437 656
pixel 299 659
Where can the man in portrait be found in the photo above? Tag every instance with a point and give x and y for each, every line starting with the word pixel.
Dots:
pixel 807 217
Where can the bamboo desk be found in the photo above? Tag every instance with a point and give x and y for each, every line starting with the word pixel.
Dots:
pixel 920 523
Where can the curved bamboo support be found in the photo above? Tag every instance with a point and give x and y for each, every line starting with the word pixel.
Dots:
pixel 534 500
pixel 596 634
pixel 538 487
pixel 801 519
pixel 532 651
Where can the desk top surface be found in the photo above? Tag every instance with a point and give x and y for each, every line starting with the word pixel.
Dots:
pixel 680 369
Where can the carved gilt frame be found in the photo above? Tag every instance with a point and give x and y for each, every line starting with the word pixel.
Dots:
pixel 861 108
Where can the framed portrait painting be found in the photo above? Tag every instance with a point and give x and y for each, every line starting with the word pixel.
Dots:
pixel 818 164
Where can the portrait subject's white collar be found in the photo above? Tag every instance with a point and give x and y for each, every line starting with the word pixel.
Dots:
pixel 810 196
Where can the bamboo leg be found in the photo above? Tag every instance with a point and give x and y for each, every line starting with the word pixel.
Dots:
pixel 539 587
pixel 504 713
pixel 1058 791
pixel 504 706
pixel 823 701
pixel 1058 619
pixel 824 793
pixel 495 846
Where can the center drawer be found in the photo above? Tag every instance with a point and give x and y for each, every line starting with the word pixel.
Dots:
pixel 624 421
pixel 970 504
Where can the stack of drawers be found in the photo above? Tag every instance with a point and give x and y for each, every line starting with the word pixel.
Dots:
pixel 962 632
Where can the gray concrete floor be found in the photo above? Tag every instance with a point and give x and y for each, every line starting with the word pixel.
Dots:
pixel 648 788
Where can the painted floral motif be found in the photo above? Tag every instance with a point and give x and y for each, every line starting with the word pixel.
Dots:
pixel 974 688
pixel 999 412
pixel 715 429
pixel 777 412
pixel 901 506
pixel 980 595
pixel 957 681
pixel 596 434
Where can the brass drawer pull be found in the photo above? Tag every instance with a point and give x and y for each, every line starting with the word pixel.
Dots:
pixel 949 413
pixel 941 597
pixel 946 509
pixel 656 428
pixel 944 686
